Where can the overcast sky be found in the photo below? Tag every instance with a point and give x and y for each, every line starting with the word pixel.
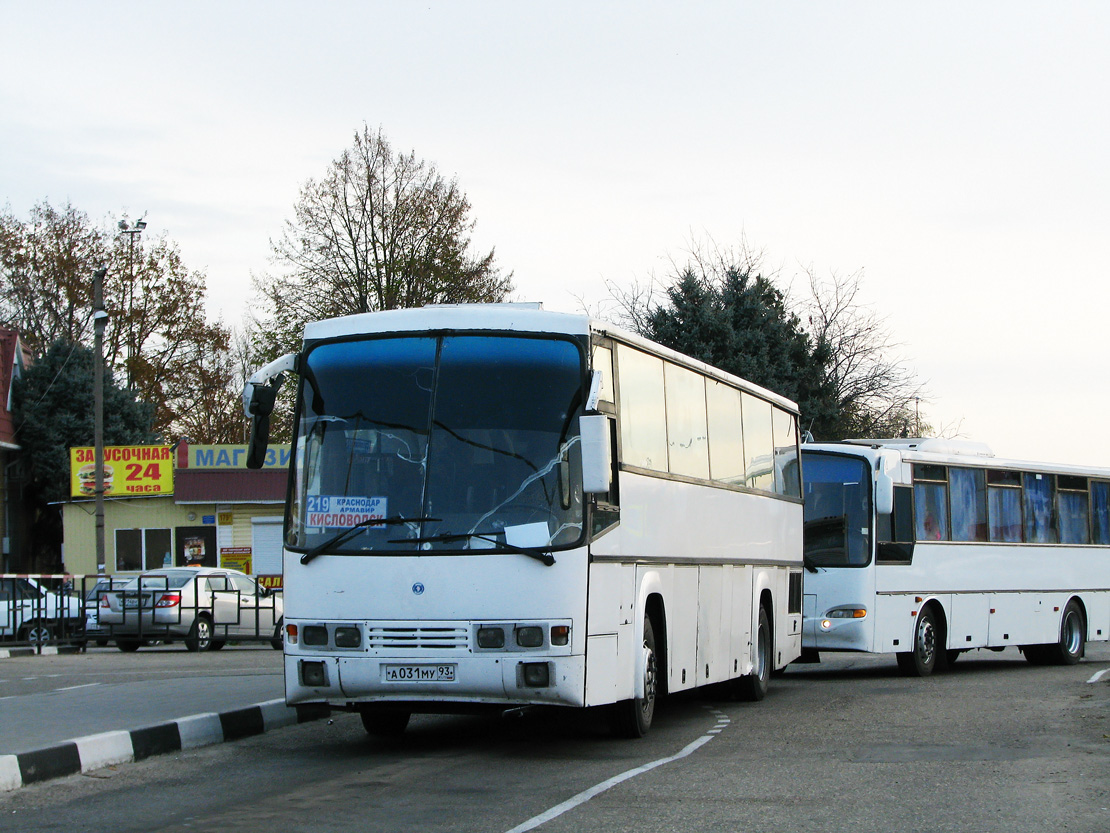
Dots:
pixel 954 152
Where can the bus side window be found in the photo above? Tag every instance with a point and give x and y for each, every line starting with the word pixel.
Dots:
pixel 896 530
pixel 930 490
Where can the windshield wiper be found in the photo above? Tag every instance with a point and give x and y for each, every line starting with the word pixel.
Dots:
pixel 344 534
pixel 501 546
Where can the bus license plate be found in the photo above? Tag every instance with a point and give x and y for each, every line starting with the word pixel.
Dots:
pixel 418 673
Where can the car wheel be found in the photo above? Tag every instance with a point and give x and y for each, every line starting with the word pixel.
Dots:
pixel 277 643
pixel 128 645
pixel 37 632
pixel 217 644
pixel 200 635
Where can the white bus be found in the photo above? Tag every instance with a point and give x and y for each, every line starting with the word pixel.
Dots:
pixel 496 506
pixel 928 548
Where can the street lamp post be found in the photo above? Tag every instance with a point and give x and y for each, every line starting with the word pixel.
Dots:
pixel 99 317
pixel 131 231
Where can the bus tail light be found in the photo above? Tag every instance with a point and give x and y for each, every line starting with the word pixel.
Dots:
pixel 291 634
pixel 560 634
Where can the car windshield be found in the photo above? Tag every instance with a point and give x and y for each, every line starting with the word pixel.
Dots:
pixel 442 438
pixel 837 491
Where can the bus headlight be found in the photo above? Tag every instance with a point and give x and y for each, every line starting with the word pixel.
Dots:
pixel 491 638
pixel 529 636
pixel 843 613
pixel 347 637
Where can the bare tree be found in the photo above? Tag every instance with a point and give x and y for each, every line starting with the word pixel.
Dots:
pixel 379 231
pixel 877 393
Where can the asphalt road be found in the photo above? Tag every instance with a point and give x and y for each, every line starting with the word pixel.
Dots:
pixel 49 699
pixel 994 745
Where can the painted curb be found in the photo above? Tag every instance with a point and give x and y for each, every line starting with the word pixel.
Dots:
pixel 109 748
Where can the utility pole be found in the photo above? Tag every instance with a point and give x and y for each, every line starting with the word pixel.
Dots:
pixel 99 317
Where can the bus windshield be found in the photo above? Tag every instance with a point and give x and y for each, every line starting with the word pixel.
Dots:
pixel 837 531
pixel 455 442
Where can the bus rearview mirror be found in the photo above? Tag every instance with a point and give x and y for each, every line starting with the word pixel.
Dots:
pixel 597 465
pixel 884 494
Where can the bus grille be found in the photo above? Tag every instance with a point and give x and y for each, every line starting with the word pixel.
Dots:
pixel 417 637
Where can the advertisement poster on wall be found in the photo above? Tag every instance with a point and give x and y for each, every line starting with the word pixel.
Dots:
pixel 195 545
pixel 129 471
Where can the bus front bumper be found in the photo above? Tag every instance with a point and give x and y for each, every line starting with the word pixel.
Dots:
pixel 507 680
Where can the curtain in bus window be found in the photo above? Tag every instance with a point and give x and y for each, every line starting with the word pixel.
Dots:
pixel 1004 508
pixel 1100 512
pixel 1074 521
pixel 1040 527
pixel 726 433
pixel 969 504
pixel 931 508
pixel 687 437
pixel 787 474
pixel 642 412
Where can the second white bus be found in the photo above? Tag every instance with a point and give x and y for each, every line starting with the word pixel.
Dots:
pixel 928 548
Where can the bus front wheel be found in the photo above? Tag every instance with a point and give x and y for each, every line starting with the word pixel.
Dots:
pixel 383 722
pixel 921 661
pixel 632 718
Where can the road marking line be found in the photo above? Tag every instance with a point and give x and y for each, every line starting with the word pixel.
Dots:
pixel 598 789
pixel 83 685
pixel 1098 676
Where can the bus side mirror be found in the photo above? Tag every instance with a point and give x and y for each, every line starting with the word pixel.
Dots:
pixel 884 494
pixel 259 395
pixel 597 464
pixel 261 405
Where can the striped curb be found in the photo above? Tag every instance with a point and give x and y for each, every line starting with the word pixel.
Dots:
pixel 108 748
pixel 47 650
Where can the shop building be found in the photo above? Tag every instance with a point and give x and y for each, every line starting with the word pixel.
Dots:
pixel 168 506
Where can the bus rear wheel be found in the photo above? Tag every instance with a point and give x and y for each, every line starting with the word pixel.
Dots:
pixel 753 686
pixel 921 661
pixel 1068 650
pixel 632 718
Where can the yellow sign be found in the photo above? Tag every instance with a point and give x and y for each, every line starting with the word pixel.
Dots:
pixel 129 471
pixel 236 558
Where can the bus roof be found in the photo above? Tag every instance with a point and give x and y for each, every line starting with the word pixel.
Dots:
pixel 514 317
pixel 950 452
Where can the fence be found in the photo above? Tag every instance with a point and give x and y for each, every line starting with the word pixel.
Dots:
pixel 205 610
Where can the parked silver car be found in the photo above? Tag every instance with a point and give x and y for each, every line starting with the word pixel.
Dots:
pixel 206 606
